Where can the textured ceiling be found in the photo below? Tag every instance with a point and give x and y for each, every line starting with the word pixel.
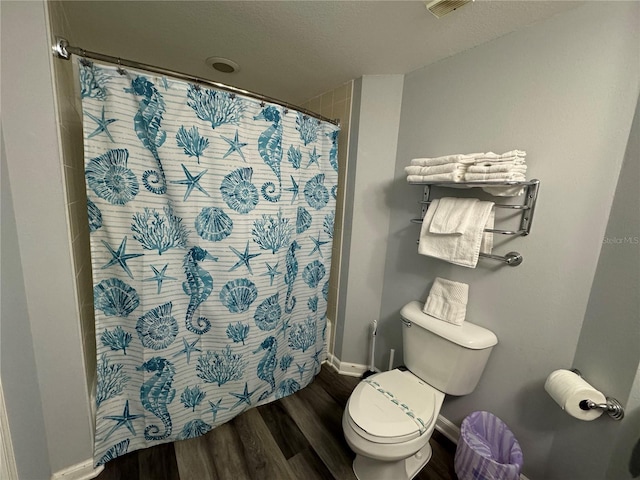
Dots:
pixel 293 50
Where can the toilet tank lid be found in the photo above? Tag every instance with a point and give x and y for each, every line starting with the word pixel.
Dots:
pixel 467 335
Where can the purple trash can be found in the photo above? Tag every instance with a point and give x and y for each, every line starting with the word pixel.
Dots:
pixel 487 449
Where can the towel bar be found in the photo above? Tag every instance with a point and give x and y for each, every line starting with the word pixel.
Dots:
pixel 490 230
pixel 527 208
pixel 497 205
pixel 513 259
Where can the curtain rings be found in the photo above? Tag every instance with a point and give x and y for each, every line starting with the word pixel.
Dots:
pixel 120 70
pixel 84 61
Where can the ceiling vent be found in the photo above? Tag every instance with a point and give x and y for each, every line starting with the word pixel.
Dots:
pixel 441 7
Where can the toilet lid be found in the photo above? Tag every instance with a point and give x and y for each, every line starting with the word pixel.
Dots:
pixel 393 406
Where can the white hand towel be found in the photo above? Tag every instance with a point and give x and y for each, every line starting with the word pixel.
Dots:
pixel 462 249
pixel 451 216
pixel 431 162
pixel 447 301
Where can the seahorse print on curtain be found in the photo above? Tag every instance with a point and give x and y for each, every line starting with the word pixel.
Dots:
pixel 210 254
pixel 147 124
pixel 270 148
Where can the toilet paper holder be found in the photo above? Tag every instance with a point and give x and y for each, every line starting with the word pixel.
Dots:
pixel 612 406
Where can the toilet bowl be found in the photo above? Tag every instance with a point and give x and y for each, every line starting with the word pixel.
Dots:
pixel 388 421
pixel 390 416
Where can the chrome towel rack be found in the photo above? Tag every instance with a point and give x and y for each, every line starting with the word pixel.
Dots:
pixel 527 208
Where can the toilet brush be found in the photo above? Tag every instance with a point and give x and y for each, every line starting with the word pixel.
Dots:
pixel 372 351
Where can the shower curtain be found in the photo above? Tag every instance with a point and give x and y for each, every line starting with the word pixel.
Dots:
pixel 211 222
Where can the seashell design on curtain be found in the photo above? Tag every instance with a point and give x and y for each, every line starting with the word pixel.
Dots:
pixel 211 222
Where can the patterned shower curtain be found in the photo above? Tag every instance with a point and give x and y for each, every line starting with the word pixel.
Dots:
pixel 211 218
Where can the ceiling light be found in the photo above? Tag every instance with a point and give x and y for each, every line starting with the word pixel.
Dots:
pixel 223 65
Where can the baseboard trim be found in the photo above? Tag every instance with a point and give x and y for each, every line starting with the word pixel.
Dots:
pixel 79 471
pixel 346 368
pixel 448 429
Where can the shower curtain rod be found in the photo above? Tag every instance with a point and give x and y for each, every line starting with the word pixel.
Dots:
pixel 63 50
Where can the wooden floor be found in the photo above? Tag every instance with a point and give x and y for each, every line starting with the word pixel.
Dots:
pixel 297 437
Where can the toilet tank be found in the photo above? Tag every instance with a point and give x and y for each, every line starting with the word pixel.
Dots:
pixel 450 358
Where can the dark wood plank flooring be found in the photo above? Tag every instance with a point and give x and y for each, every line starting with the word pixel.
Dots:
pixel 297 437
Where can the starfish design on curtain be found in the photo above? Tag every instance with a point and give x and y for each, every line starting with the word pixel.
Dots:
pixel 244 397
pixel 188 348
pixel 124 419
pixel 318 243
pixel 191 182
pixel 120 257
pixel 103 124
pixel 293 189
pixel 313 157
pixel 271 271
pixel 165 83
pixel 159 276
pixel 244 258
pixel 302 369
pixel 285 325
pixel 235 146
pixel 316 357
pixel 215 408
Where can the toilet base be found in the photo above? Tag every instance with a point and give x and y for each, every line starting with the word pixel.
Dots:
pixel 366 468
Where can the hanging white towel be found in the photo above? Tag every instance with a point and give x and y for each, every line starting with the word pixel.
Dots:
pixel 451 216
pixel 462 249
pixel 486 245
pixel 447 301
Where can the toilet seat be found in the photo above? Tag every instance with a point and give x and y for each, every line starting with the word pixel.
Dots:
pixel 392 407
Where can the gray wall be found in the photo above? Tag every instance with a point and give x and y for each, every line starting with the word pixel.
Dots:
pixel 34 171
pixel 564 90
pixel 608 353
pixel 17 362
pixel 372 145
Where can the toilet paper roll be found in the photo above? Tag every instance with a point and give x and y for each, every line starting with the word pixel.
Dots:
pixel 569 389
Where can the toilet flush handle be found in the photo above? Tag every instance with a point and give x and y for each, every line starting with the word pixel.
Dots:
pixel 406 322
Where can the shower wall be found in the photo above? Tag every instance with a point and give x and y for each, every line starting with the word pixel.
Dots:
pixel 336 104
pixel 70 121
pixel 36 175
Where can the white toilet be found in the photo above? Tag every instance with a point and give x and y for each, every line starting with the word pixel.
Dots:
pixel 390 416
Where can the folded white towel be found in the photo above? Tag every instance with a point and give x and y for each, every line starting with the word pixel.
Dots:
pixel 495 177
pixel 504 157
pixel 456 176
pixel 496 168
pixel 451 216
pixel 435 170
pixel 457 249
pixel 447 301
pixel 459 158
